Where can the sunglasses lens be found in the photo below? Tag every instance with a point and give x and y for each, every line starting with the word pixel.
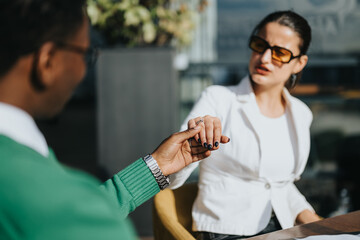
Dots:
pixel 258 45
pixel 281 54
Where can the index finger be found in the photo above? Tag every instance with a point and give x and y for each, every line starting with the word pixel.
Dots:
pixel 217 134
pixel 193 123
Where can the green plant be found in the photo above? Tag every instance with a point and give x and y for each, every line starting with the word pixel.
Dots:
pixel 145 22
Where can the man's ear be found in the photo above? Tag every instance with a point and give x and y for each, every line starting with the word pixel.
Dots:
pixel 46 63
pixel 301 63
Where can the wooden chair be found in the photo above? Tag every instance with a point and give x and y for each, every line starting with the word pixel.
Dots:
pixel 172 218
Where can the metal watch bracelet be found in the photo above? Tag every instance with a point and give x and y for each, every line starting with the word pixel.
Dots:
pixel 160 178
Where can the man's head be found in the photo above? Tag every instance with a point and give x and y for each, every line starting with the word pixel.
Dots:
pixel 38 69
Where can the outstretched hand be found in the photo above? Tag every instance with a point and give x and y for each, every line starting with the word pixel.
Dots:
pixel 179 150
pixel 210 136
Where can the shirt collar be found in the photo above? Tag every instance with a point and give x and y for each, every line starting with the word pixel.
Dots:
pixel 21 127
pixel 245 92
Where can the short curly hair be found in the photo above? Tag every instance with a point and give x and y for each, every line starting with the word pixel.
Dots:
pixel 25 25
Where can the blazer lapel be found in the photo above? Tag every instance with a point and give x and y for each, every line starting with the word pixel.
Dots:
pixel 246 96
pixel 249 111
pixel 301 139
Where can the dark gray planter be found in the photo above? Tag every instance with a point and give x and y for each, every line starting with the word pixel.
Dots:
pixel 137 107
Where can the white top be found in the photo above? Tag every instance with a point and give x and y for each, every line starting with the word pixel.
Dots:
pixel 233 197
pixel 21 127
pixel 278 157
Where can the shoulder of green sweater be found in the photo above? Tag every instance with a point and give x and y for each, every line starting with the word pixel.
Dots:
pixel 9 148
pixel 21 164
pixel 41 196
pixel 12 152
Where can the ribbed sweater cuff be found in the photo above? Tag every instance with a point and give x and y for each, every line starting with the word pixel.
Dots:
pixel 139 180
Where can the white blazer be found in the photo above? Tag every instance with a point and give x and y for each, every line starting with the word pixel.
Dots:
pixel 233 196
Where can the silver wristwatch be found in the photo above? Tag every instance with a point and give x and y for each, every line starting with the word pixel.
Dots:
pixel 160 178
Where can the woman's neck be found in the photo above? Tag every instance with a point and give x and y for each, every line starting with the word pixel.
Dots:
pixel 270 101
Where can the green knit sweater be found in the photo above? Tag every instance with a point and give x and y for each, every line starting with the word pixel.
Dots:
pixel 41 199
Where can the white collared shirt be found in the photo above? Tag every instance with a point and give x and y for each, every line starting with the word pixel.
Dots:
pixel 18 125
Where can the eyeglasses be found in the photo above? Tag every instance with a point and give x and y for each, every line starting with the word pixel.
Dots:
pixel 259 45
pixel 90 54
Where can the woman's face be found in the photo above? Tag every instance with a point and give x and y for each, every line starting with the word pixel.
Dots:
pixel 267 72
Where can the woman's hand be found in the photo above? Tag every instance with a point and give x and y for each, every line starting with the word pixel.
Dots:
pixel 179 150
pixel 307 216
pixel 211 135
